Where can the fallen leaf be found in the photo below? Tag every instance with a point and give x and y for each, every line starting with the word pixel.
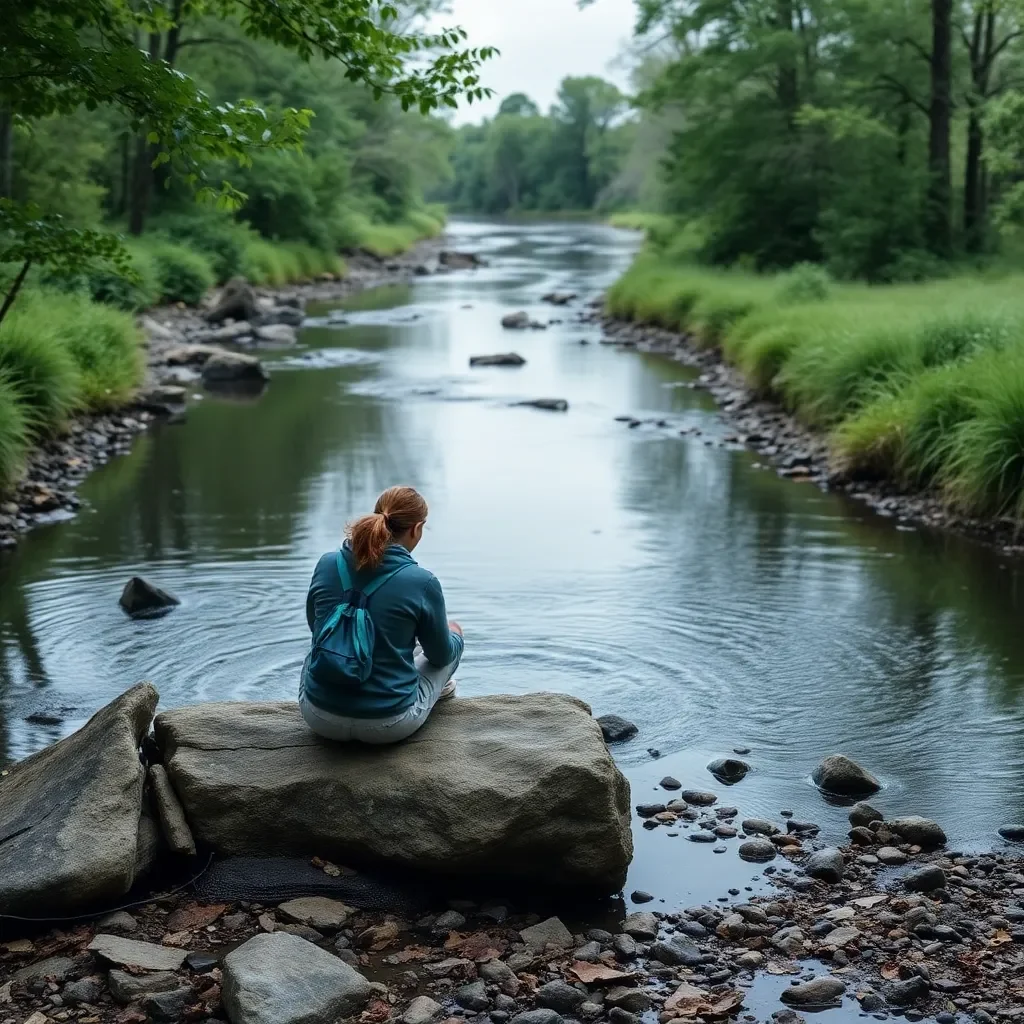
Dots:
pixel 728 1003
pixel 591 974
pixel 195 916
pixel 687 999
pixel 867 902
pixel 411 954
pixel 267 922
pixel 1000 938
pixel 376 1013
pixel 182 940
pixel 479 946
pixel 775 968
pixel 890 971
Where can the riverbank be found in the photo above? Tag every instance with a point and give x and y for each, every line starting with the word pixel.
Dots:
pixel 905 398
pixel 45 491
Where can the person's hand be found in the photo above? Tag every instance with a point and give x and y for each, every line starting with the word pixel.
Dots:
pixel 455 627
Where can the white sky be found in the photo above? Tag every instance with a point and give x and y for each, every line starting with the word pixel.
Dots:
pixel 541 42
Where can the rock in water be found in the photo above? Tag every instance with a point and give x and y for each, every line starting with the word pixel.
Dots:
pixel 758 851
pixel 819 992
pixel 516 321
pixel 843 777
pixel 729 770
pixel 237 302
pixel 143 600
pixel 558 298
pixel 918 831
pixel 863 814
pixel 1013 833
pixel 500 359
pixel 277 334
pixel 563 816
pixel 616 729
pixel 459 260
pixel 547 404
pixel 282 979
pixel 926 880
pixel 233 369
pixel 56 858
pixel 826 865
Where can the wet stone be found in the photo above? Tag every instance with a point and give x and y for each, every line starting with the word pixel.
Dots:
pixel 863 814
pixel 560 996
pixel 473 996
pixel 624 947
pixel 757 851
pixel 676 952
pixel 699 798
pixel 759 827
pixel 891 857
pixel 649 810
pixel 641 925
pixel 729 770
pixel 819 992
pixel 701 837
pixel 669 782
pixel 167 1006
pixel 905 993
pixel 616 729
pixel 826 865
pixel 926 880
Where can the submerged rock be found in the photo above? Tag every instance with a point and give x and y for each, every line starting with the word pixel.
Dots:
pixel 563 817
pixel 819 992
pixel 56 858
pixel 729 770
pixel 548 404
pixel 757 851
pixel 142 599
pixel 1013 833
pixel 516 321
pixel 500 359
pixel 842 776
pixel 282 979
pixel 558 298
pixel 233 369
pixel 617 729
pixel 459 260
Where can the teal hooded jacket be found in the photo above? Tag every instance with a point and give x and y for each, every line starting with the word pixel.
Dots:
pixel 408 609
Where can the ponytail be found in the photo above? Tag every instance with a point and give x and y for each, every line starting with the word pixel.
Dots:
pixel 397 511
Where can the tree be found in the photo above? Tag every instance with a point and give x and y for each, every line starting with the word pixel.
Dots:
pixel 940 116
pixel 518 104
pixel 58 56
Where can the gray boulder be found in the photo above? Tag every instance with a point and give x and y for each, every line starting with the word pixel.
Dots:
pixel 237 301
pixel 127 988
pixel 757 851
pixel 282 979
pixel 863 814
pixel 560 996
pixel 676 952
pixel 926 880
pixel 233 369
pixel 170 814
pixel 421 1010
pixel 69 815
pixel 918 831
pixel 729 770
pixel 547 934
pixel 516 321
pixel 519 786
pixel 819 992
pixel 278 334
pixel 144 600
pixel 826 865
pixel 290 315
pixel 616 729
pixel 905 993
pixel 842 776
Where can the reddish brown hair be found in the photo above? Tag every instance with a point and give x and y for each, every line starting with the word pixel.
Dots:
pixel 397 511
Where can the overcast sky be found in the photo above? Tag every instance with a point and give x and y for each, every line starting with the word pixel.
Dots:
pixel 542 41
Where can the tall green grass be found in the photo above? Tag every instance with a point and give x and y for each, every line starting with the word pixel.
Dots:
pixel 15 435
pixel 920 383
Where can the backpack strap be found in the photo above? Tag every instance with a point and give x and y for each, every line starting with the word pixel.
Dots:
pixel 373 586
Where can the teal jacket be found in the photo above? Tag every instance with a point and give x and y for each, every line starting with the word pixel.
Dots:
pixel 407 610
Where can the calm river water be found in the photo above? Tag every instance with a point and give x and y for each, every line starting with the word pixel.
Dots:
pixel 653 574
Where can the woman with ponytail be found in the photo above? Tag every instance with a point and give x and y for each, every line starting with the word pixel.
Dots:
pixel 377 681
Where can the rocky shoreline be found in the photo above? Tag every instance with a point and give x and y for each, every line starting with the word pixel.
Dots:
pixel 796 452
pixel 178 341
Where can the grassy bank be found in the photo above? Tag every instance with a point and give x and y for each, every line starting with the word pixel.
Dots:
pixel 920 383
pixel 71 346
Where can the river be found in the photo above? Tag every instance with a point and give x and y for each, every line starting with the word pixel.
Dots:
pixel 660 575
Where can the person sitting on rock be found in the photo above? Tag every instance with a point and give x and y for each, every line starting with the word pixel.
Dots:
pixel 383 652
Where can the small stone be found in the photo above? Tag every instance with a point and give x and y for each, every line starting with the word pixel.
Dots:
pixel 759 827
pixel 620 1015
pixel 639 896
pixel 548 933
pixel 749 961
pixel 926 880
pixel 497 972
pixel 449 921
pixel 842 776
pixel 726 832
pixel 145 956
pixel 542 1016
pixel 819 992
pixel 861 836
pixel 826 865
pixel 670 783
pixel 421 1010
pixel 588 953
pixel 88 990
pixel 729 770
pixel 871 1002
pixel 802 828
pixel 127 988
pixel 56 967
pixel 167 1006
pixel 905 993
pixel 891 857
pixel 624 947
pixel 742 751
pixel 473 996
pixel 560 996
pixel 699 798
pixel 616 729
pixel 641 925
pixel 701 837
pixel 142 599
pixel 918 831
pixel 649 810
pixel 863 814
pixel 119 921
pixel 757 851
pixel 202 962
pixel 842 936
pixel 318 912
pixel 676 952
pixel 632 1000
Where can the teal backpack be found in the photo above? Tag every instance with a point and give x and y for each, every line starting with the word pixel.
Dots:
pixel 342 652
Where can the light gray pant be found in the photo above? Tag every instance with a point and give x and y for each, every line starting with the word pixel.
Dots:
pixel 432 681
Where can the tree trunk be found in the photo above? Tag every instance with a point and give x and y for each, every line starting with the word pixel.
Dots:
pixel 974 217
pixel 142 186
pixel 6 155
pixel 939 118
pixel 787 88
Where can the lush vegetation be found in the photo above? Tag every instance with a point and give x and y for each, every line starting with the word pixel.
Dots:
pixel 101 138
pixel 923 383
pixel 568 160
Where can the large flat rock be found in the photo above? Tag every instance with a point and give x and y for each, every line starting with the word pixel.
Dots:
pixel 515 786
pixel 70 814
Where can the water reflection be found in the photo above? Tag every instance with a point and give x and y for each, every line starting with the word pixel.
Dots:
pixel 655 574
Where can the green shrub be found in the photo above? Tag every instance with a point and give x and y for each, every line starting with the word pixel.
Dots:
pixel 185 275
pixel 221 239
pixel 14 432
pixel 806 282
pixel 114 289
pixel 262 263
pixel 35 361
